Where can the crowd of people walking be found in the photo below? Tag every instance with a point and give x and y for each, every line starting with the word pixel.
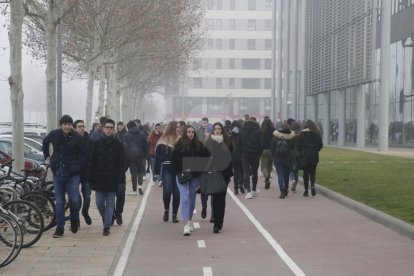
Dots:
pixel 180 156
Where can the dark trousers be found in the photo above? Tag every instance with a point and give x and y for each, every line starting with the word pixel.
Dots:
pixel 250 167
pixel 169 187
pixel 219 206
pixel 120 200
pixel 309 171
pixel 238 176
pixel 86 194
pixel 137 170
pixel 204 200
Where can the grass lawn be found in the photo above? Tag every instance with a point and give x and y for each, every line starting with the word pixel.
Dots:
pixel 383 182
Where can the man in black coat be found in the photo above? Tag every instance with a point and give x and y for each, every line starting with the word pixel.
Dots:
pixel 136 142
pixel 250 153
pixel 79 127
pixel 107 172
pixel 69 155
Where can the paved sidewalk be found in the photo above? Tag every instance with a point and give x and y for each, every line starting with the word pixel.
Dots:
pixel 87 252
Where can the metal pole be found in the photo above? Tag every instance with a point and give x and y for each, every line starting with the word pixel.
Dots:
pixel 280 59
pixel 273 88
pixel 295 59
pixel 384 74
pixel 286 59
pixel 59 69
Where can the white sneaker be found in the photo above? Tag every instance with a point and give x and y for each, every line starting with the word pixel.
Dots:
pixel 254 193
pixel 133 193
pixel 159 183
pixel 191 226
pixel 249 195
pixel 186 231
pixel 144 178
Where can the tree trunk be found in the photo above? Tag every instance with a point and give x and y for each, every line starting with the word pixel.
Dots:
pixel 89 95
pixel 16 82
pixel 117 111
pixel 51 66
pixel 111 91
pixel 101 99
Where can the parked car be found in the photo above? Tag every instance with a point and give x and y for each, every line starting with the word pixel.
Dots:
pixel 29 164
pixel 29 152
pixel 27 140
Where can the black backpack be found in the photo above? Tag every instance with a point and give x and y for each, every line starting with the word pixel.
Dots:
pixel 282 148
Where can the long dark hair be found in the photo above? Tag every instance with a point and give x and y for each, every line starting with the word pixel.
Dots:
pixel 185 142
pixel 226 137
pixel 266 127
pixel 312 127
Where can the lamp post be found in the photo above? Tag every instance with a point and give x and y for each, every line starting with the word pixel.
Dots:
pixel 402 94
pixel 229 98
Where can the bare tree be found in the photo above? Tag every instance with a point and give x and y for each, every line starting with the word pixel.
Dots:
pixel 16 81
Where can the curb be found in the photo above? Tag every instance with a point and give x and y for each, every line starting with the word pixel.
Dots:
pixel 391 222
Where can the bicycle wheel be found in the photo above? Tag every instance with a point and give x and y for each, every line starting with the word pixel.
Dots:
pixel 11 239
pixel 29 218
pixel 45 205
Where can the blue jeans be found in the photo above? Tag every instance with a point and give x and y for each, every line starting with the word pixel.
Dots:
pixel 169 188
pixel 188 198
pixel 105 202
pixel 66 184
pixel 283 169
pixel 86 193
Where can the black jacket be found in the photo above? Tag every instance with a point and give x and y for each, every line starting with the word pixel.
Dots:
pixel 193 158
pixel 266 138
pixel 163 153
pixel 221 157
pixel 309 145
pixel 250 139
pixel 88 147
pixel 136 142
pixel 289 137
pixel 107 167
pixel 69 151
pixel 236 147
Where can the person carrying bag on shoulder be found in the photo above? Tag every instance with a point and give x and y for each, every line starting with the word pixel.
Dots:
pixel 187 167
pixel 219 172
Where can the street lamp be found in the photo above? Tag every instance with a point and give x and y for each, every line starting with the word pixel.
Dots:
pixel 402 94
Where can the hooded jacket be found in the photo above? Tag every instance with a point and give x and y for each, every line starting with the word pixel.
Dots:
pixel 250 139
pixel 136 142
pixel 309 145
pixel 288 136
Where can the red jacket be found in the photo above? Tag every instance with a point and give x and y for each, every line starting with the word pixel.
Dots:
pixel 152 142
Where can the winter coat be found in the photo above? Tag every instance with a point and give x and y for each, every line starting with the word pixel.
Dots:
pixel 236 156
pixel 266 138
pixel 221 155
pixel 69 152
pixel 163 154
pixel 88 147
pixel 250 139
pixel 288 136
pixel 189 159
pixel 136 142
pixel 108 164
pixel 152 142
pixel 310 143
pixel 120 135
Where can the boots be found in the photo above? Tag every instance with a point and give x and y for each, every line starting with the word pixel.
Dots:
pixel 165 217
pixel 267 183
pixel 174 218
pixel 236 190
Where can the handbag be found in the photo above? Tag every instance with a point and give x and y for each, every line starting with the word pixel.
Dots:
pixel 212 182
pixel 184 177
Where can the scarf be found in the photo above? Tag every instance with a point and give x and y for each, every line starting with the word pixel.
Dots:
pixel 217 138
pixel 235 130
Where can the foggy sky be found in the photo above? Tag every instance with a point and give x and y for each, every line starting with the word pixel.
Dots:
pixel 34 87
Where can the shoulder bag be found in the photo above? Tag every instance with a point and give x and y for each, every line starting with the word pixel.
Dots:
pixel 212 182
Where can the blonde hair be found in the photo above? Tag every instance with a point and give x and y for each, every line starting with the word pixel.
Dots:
pixel 169 136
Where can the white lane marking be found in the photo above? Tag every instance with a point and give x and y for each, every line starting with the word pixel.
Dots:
pixel 196 225
pixel 207 271
pixel 119 270
pixel 279 250
pixel 201 244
